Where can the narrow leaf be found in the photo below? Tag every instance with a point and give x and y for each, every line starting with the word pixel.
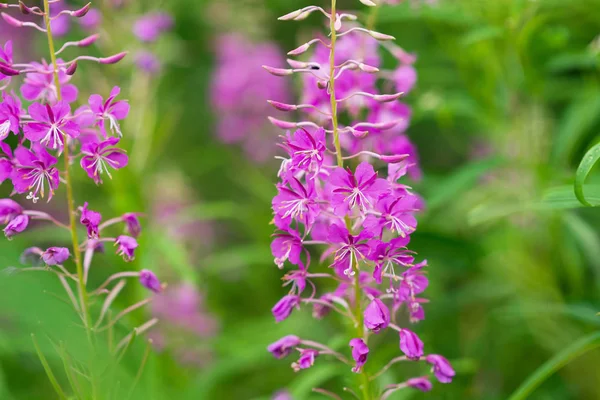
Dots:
pixel 586 165
pixel 49 373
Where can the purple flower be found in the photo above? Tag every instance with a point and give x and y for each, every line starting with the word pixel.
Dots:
pixel 110 110
pixel 132 223
pixel 413 282
pixel 351 248
pixel 147 62
pixel 360 352
pixel 355 190
pixel 126 248
pixel 40 86
pixel 387 255
pixel 10 114
pixel 101 157
pixel 150 26
pixel 296 202
pixel 441 368
pixel 377 316
pixel 147 278
pixel 306 360
pixel 9 209
pixel 6 58
pixel 17 225
pixel 55 255
pixel 410 344
pixel 423 384
pixel 284 346
pixel 34 172
pixel 282 395
pixel 396 214
pixel 6 162
pixel 51 125
pixel 287 245
pixel 91 220
pixel 284 307
pixel 306 149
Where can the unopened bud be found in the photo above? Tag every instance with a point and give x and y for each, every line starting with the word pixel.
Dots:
pixel 278 71
pixel 385 98
pixel 88 41
pixel 72 68
pixel 368 68
pixel 299 50
pixel 113 59
pixel 24 9
pixel 8 71
pixel 82 11
pixel 368 3
pixel 12 21
pixel 394 159
pixel 282 124
pixel 381 36
pixel 282 106
pixel 359 134
pixel 322 84
pixel 291 15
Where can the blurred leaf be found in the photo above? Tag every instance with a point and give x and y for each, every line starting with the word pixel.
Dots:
pixel 459 181
pixel 561 359
pixel 586 165
pixel 302 386
pixel 48 370
pixel 579 118
pixel 480 34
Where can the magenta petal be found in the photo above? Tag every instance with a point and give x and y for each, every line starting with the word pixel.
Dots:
pixel 364 172
pixel 61 109
pixel 6 169
pixel 69 93
pixel 120 109
pixel 35 131
pixel 71 129
pixel 38 112
pixel 115 92
pixel 96 103
pixel 24 156
pixel 30 92
pixel 117 159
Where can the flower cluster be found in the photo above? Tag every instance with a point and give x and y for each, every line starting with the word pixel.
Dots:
pixel 354 207
pixel 239 92
pixel 32 140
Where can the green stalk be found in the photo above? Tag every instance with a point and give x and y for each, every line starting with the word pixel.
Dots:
pixel 83 296
pixel 364 379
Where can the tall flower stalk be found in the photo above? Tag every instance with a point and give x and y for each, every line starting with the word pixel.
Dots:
pixel 39 136
pixel 361 220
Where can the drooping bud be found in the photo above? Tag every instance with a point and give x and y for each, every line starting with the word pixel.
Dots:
pixel 291 15
pixel 385 98
pixel 282 124
pixel 113 59
pixel 380 36
pixel 55 255
pixel 82 11
pixel 8 71
pixel 377 316
pixel 368 68
pixel 368 3
pixel 282 106
pixel 88 41
pixel 278 71
pixel 24 9
pixel 299 50
pixel 284 346
pixel 149 280
pixel 71 68
pixel 12 21
pixel 410 344
pixel 360 352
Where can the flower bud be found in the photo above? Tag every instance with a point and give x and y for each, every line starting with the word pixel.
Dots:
pixel 380 36
pixel 368 68
pixel 394 158
pixel 278 71
pixel 71 68
pixel 282 124
pixel 8 71
pixel 306 360
pixel 368 3
pixel 150 281
pixel 12 21
pixel 282 106
pixel 322 84
pixel 291 15
pixel 421 384
pixel 299 50
pixel 360 352
pixel 410 344
pixel 284 346
pixel 127 246
pixel 82 11
pixel 113 59
pixel 385 98
pixel 9 209
pixel 88 41
pixel 284 307
pixel 17 225
pixel 24 9
pixel 55 255
pixel 377 316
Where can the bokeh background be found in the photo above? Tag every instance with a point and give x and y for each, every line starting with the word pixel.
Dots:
pixel 506 103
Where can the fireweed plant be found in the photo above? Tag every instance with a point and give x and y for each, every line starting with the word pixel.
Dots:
pixel 86 137
pixel 362 217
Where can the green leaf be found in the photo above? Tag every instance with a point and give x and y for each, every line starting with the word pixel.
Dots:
pixel 561 359
pixel 586 165
pixel 49 373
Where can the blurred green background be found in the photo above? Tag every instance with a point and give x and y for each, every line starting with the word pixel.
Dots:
pixel 507 103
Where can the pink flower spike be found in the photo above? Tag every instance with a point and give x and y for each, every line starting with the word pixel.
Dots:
pixel 282 124
pixel 113 59
pixel 88 41
pixel 278 71
pixel 282 106
pixel 82 11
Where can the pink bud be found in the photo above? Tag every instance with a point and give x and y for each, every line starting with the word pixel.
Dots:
pixel 337 25
pixel 72 68
pixel 113 59
pixel 299 50
pixel 12 21
pixel 82 11
pixel 322 84
pixel 385 98
pixel 393 159
pixel 3 5
pixel 278 71
pixel 296 64
pixel 381 36
pixel 24 9
pixel 282 124
pixel 291 15
pixel 368 3
pixel 8 71
pixel 359 134
pixel 85 42
pixel 368 68
pixel 282 106
pixel 387 125
pixel 303 15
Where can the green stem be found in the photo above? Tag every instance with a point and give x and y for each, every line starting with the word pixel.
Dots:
pixel 83 296
pixel 363 378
